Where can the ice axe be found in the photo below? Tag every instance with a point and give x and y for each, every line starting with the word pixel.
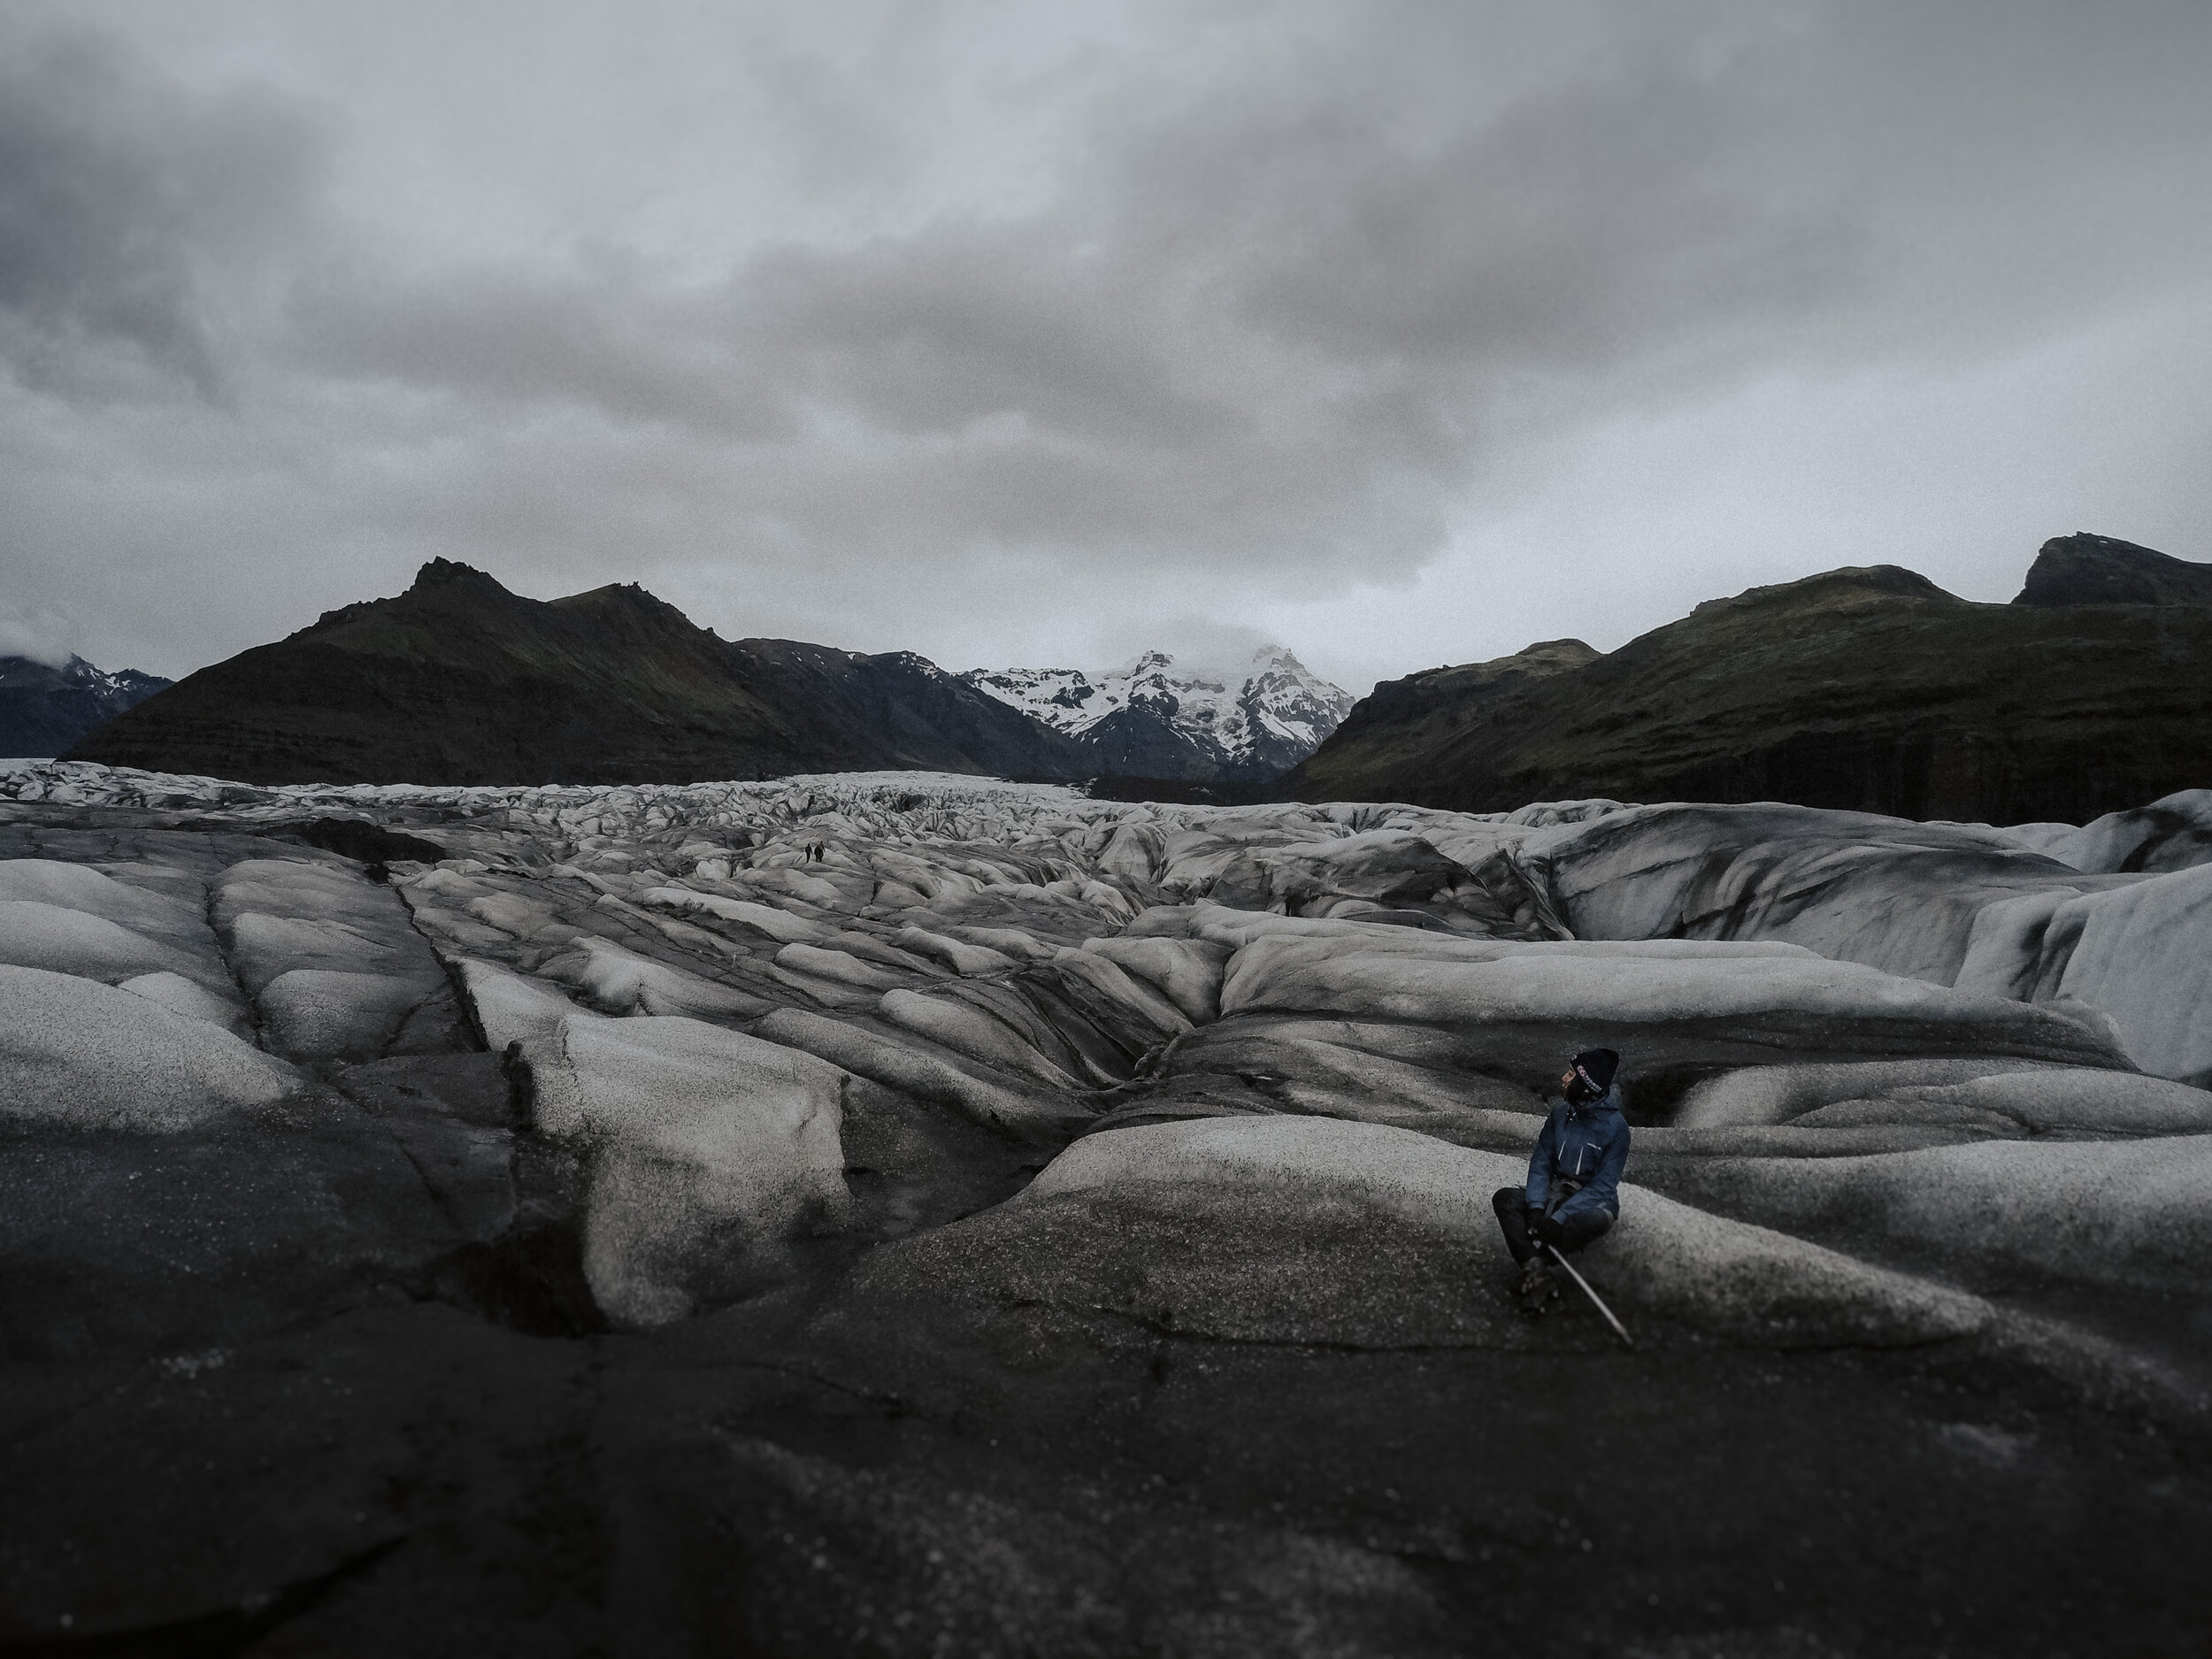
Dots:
pixel 1583 1285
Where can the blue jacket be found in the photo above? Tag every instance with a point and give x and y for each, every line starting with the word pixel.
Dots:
pixel 1586 1143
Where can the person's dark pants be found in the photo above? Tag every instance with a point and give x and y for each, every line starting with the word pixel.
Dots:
pixel 1524 1228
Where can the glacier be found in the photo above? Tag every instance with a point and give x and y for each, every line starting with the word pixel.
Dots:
pixel 909 1212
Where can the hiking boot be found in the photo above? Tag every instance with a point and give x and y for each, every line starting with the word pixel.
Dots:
pixel 1536 1288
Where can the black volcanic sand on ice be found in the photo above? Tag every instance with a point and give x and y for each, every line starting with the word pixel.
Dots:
pixel 382 1275
pixel 415 1477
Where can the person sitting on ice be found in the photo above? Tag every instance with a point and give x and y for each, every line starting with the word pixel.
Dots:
pixel 1572 1194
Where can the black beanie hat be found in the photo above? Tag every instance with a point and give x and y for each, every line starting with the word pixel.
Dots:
pixel 1598 1065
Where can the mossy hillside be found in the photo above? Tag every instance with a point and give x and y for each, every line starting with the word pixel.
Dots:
pixel 1863 688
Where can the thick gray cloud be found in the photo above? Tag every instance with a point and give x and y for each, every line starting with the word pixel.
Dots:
pixel 121 202
pixel 931 327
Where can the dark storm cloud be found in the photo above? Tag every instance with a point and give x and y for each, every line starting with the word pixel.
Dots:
pixel 119 201
pixel 612 340
pixel 1709 172
pixel 1256 314
pixel 1294 281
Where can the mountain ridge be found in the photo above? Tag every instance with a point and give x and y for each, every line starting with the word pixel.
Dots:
pixel 1867 688
pixel 2086 569
pixel 45 708
pixel 1159 717
pixel 458 680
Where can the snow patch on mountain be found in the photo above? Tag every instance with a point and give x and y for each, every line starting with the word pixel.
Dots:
pixel 1162 715
pixel 123 686
pixel 45 707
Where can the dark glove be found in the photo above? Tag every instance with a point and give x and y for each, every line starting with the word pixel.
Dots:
pixel 1545 1229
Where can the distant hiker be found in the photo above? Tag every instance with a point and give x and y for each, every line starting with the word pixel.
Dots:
pixel 1572 1194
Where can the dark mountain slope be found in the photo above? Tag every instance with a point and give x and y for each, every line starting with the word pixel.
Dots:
pixel 1391 733
pixel 2097 569
pixel 1143 741
pixel 1869 689
pixel 458 681
pixel 44 710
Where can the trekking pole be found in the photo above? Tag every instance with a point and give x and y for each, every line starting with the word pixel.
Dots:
pixel 1620 1330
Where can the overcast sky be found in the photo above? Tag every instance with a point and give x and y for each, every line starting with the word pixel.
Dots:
pixel 1038 334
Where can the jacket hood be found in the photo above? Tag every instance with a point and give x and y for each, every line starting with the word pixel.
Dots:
pixel 1609 1102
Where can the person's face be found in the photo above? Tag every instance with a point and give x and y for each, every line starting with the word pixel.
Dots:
pixel 1567 1078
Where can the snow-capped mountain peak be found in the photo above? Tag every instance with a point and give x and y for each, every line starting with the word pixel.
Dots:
pixel 1161 716
pixel 46 707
